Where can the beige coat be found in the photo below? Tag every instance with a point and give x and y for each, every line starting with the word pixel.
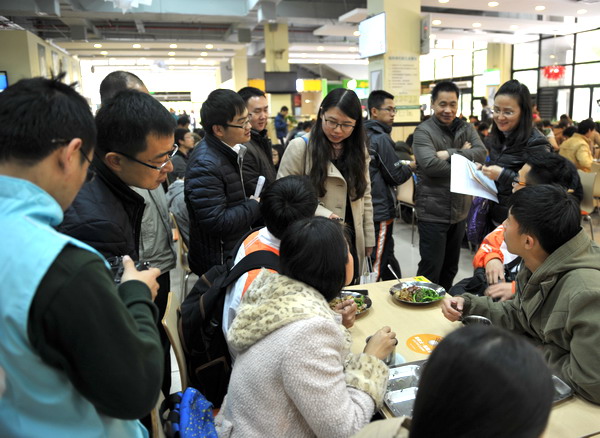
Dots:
pixel 577 149
pixel 296 161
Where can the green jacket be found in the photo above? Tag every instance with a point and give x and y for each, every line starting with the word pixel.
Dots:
pixel 558 306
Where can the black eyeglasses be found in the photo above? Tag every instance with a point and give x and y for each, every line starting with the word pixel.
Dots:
pixel 332 124
pixel 91 172
pixel 242 126
pixel 159 168
pixel 391 109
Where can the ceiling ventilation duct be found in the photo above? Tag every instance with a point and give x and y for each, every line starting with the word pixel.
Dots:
pixel 126 5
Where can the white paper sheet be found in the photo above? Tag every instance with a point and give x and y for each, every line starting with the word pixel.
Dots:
pixel 466 179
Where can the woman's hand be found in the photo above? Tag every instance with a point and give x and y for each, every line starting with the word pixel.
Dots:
pixel 382 343
pixel 492 172
pixel 494 271
pixel 347 309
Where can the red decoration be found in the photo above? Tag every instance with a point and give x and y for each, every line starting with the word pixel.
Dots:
pixel 554 72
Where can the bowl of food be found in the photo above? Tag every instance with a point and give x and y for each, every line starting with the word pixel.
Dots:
pixel 363 302
pixel 417 292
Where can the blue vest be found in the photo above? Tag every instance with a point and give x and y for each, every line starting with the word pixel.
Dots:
pixel 38 400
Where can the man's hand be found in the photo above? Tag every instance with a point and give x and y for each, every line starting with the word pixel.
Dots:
pixel 255 198
pixel 148 277
pixel 466 146
pixel 442 155
pixel 347 309
pixel 492 172
pixel 494 271
pixel 502 291
pixel 452 307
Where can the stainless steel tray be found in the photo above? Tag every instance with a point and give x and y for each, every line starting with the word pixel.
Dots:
pixel 404 379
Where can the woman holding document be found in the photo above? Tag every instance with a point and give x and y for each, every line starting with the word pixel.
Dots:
pixel 512 138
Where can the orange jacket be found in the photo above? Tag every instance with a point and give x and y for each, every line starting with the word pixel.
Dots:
pixel 491 248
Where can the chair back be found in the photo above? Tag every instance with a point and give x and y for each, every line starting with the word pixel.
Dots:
pixel 171 324
pixel 596 170
pixel 588 181
pixel 182 249
pixel 157 426
pixel 405 192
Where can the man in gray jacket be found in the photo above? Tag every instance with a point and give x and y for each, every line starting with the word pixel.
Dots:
pixel 441 213
pixel 386 171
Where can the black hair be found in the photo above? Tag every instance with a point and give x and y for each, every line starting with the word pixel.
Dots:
pixel 315 251
pixel 569 131
pixel 562 125
pixel 117 81
pixel 352 162
pixel 548 213
pixel 127 119
pixel 482 126
pixel 546 123
pixel 522 132
pixel 511 395
pixel 279 148
pixel 549 168
pixel 308 124
pixel 221 106
pixel 376 99
pixel 183 120
pixel 285 201
pixel 284 108
pixel 447 86
pixel 484 101
pixel 201 132
pixel 248 92
pixel 409 139
pixel 180 134
pixel 34 112
pixel 585 126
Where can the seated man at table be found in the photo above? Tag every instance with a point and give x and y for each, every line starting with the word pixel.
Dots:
pixel 557 301
pixel 495 267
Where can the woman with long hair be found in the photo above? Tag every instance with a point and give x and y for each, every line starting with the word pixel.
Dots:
pixel 480 381
pixel 294 375
pixel 335 158
pixel 512 138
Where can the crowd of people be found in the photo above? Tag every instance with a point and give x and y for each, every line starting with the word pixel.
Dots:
pixel 84 198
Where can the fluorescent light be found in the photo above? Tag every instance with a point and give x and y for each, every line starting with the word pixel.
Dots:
pixel 356 33
pixel 137 46
pixel 98 46
pixel 203 54
pixel 320 48
pixel 172 46
pixel 443 1
pixel 104 52
pixel 209 46
pixel 514 26
pixel 493 4
pixel 582 11
pixel 476 24
pixel 171 53
pixel 540 8
pixel 436 22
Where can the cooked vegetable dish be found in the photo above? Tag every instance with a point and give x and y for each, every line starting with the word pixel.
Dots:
pixel 417 294
pixel 361 306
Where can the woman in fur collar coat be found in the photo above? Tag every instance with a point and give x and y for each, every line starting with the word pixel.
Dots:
pixel 295 375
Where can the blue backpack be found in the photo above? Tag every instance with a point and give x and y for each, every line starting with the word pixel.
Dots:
pixel 190 415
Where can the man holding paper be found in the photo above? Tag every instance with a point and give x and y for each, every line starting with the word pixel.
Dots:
pixel 441 213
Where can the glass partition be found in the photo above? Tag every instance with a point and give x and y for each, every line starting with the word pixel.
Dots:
pixel 557 50
pixel 529 78
pixel 588 46
pixel 581 104
pixel 525 55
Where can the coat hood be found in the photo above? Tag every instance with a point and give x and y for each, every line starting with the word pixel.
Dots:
pixel 273 301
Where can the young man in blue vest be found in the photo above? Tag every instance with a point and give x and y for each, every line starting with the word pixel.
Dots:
pixel 79 356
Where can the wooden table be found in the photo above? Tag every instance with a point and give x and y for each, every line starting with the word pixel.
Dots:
pixel 572 418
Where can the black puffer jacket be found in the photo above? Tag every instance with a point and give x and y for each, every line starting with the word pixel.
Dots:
pixel 258 161
pixel 511 159
pixel 106 214
pixel 435 202
pixel 220 213
pixel 385 169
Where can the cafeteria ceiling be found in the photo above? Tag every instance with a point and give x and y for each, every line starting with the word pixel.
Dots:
pixel 321 32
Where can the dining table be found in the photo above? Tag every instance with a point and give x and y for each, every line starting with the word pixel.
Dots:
pixel 419 328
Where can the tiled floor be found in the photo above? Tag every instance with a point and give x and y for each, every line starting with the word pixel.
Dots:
pixel 407 255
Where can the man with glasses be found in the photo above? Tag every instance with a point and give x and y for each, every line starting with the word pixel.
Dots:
pixel 441 213
pixel 79 356
pixel 258 159
pixel 220 209
pixel 386 171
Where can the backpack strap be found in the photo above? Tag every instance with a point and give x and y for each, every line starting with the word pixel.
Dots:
pixel 254 260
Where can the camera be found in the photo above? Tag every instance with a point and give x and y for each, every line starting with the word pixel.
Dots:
pixel 116 267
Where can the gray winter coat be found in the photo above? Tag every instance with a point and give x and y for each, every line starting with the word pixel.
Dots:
pixel 435 202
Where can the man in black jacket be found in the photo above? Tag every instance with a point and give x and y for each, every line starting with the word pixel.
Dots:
pixel 386 172
pixel 258 159
pixel 220 209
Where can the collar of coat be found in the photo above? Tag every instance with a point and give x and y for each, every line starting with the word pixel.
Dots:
pixel 378 126
pixel 274 301
pixel 452 128
pixel 115 184
pixel 214 143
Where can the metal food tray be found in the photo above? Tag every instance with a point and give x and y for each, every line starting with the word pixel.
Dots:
pixel 404 379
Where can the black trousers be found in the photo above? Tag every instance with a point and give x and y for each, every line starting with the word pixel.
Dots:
pixel 439 246
pixel 383 253
pixel 164 287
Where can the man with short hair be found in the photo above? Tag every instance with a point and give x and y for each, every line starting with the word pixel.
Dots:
pixel 441 213
pixel 79 356
pixel 577 148
pixel 281 127
pixel 118 81
pixel 258 159
pixel 386 172
pixel 183 122
pixel 184 139
pixel 557 301
pixel 220 209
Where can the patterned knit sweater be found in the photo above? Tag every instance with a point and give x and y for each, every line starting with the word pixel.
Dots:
pixel 295 375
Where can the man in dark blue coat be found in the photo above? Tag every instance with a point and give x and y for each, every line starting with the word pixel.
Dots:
pixel 220 210
pixel 386 172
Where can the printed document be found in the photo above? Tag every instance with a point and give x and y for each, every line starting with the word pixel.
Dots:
pixel 466 179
